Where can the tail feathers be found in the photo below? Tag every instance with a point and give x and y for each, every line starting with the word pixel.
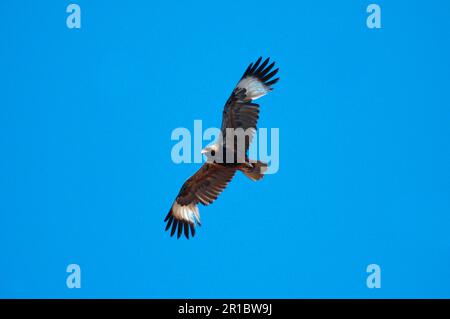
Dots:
pixel 254 171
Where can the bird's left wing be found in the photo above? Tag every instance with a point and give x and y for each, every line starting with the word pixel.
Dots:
pixel 240 111
pixel 203 187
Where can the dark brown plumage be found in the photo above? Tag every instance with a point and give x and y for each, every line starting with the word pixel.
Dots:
pixel 211 179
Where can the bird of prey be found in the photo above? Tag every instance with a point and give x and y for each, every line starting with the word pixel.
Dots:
pixel 211 179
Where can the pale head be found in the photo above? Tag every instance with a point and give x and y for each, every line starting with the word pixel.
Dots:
pixel 211 151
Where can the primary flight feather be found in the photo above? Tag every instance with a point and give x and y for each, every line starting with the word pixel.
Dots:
pixel 240 113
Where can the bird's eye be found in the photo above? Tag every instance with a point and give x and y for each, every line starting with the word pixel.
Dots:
pixel 213 152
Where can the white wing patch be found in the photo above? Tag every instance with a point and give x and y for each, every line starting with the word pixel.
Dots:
pixel 186 213
pixel 254 87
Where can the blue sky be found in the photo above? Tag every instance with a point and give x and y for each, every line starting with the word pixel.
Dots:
pixel 86 174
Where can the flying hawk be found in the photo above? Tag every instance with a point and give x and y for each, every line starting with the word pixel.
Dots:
pixel 211 179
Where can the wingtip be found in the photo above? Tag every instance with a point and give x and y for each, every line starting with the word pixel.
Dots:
pixel 270 83
pixel 168 215
pixel 263 71
pixel 192 226
pixel 186 230
pixel 180 227
pixel 169 223
pixel 174 227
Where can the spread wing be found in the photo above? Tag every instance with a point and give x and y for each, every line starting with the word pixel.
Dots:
pixel 203 187
pixel 240 111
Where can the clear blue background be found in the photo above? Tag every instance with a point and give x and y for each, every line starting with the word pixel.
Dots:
pixel 87 177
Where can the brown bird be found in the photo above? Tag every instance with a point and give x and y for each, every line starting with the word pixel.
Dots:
pixel 226 156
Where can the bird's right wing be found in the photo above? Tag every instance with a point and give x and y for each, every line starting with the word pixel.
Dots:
pixel 240 111
pixel 203 187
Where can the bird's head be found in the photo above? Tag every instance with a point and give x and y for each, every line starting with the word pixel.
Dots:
pixel 211 151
